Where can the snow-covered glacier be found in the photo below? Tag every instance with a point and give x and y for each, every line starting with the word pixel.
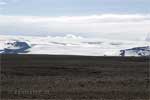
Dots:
pixel 72 45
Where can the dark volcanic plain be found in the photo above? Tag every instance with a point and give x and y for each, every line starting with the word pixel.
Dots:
pixel 61 77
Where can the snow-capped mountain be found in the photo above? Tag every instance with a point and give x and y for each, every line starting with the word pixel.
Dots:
pixel 137 51
pixel 15 46
pixel 72 45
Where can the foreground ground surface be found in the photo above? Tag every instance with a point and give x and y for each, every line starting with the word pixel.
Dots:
pixel 74 77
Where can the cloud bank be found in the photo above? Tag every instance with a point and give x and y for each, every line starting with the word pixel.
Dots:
pixel 128 26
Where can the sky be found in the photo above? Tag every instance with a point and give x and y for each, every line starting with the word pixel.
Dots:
pixel 97 18
pixel 72 7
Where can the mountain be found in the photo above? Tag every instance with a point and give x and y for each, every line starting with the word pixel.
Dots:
pixel 137 51
pixel 72 45
pixel 15 47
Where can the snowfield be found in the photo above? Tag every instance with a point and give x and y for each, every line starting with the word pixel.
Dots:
pixel 72 45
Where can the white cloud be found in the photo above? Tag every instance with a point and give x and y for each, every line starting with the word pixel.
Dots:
pixel 106 25
pixel 2 3
pixel 15 0
pixel 5 2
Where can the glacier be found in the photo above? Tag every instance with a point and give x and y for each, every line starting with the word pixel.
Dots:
pixel 72 45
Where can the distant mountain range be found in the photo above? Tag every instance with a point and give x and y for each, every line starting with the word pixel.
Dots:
pixel 73 45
